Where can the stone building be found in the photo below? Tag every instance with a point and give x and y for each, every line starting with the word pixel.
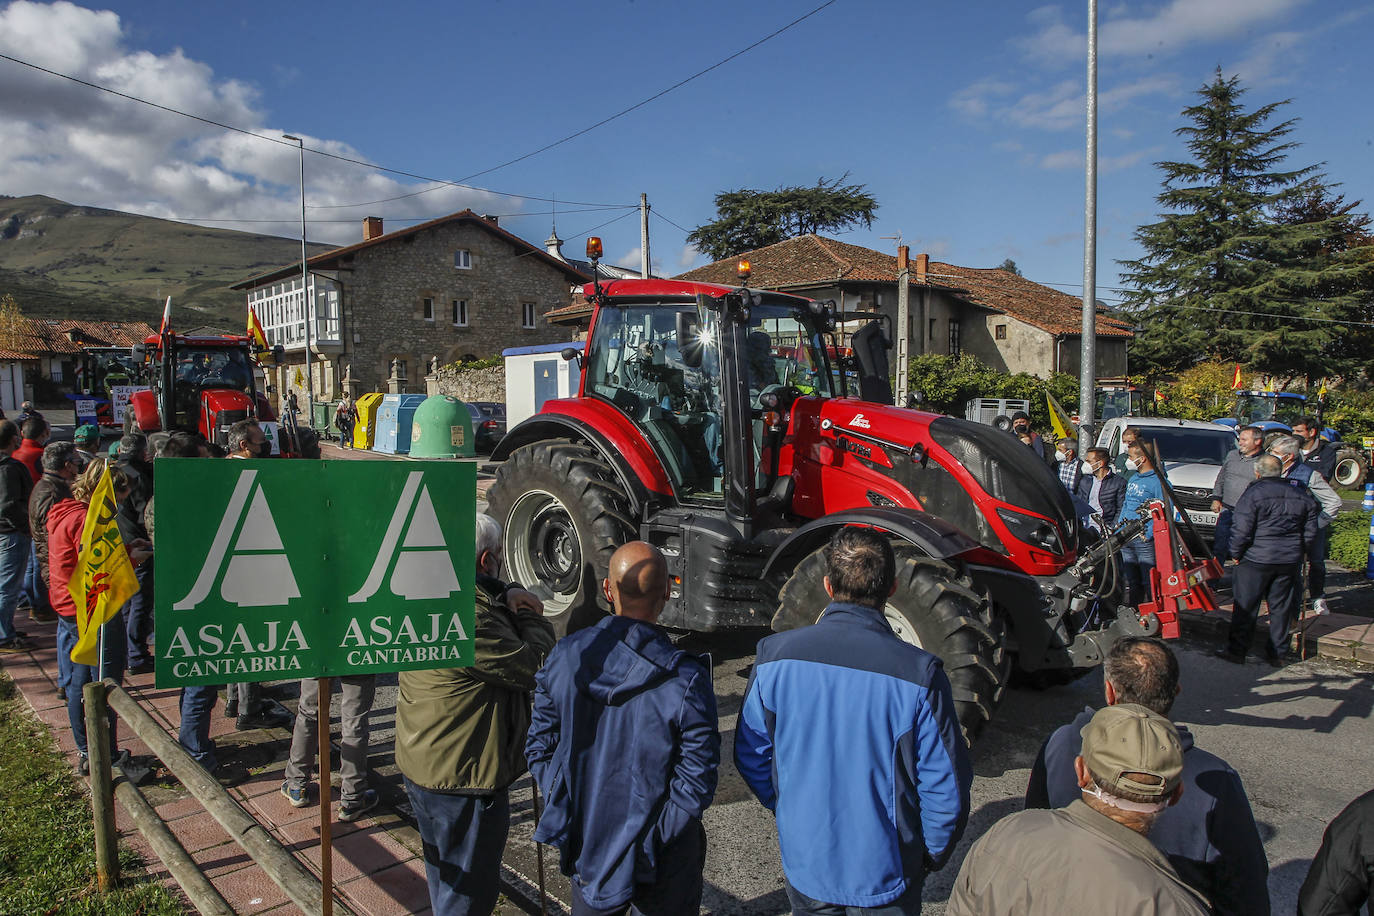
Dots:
pixel 1006 321
pixel 458 287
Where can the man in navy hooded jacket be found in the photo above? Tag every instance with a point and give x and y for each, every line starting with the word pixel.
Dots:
pixel 1209 837
pixel 849 736
pixel 624 745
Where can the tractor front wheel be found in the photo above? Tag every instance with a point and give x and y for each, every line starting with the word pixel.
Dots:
pixel 1350 468
pixel 935 608
pixel 562 514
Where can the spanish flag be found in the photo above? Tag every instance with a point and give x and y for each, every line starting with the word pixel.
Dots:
pixel 1235 379
pixel 255 334
pixel 104 577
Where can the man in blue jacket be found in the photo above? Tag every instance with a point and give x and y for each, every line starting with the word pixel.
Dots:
pixel 1209 837
pixel 1138 555
pixel 624 745
pixel 849 736
pixel 1274 524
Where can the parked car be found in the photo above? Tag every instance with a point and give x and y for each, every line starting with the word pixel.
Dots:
pixel 1193 452
pixel 488 423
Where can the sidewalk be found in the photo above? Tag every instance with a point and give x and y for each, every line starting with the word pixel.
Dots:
pixel 378 861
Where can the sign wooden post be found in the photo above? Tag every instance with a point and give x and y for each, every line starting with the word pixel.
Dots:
pixel 326 808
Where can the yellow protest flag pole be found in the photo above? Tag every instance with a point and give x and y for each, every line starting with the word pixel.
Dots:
pixel 104 576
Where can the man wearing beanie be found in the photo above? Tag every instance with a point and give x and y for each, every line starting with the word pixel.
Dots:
pixel 1094 855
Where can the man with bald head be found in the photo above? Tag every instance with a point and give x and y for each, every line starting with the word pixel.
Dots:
pixel 624 745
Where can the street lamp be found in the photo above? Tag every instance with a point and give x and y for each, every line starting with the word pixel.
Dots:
pixel 305 296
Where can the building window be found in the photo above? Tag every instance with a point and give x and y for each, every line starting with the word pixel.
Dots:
pixel 931 335
pixel 462 259
pixel 527 315
pixel 1000 331
pixel 460 313
pixel 953 337
pixel 429 309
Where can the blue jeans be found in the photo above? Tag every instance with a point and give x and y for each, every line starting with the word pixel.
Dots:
pixel 1221 540
pixel 909 904
pixel 138 616
pixel 35 589
pixel 1137 559
pixel 14 563
pixel 197 703
pixel 66 642
pixel 464 836
pixel 81 675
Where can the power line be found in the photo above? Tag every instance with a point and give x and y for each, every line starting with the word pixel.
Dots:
pixel 670 222
pixel 271 139
pixel 604 121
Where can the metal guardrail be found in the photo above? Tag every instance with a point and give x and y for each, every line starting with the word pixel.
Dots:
pixel 301 886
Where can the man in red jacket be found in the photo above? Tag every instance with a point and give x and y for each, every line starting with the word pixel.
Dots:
pixel 30 452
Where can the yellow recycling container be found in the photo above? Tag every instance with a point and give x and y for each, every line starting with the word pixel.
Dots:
pixel 442 428
pixel 365 430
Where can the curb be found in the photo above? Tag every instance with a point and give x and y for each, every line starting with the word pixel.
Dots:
pixel 1341 637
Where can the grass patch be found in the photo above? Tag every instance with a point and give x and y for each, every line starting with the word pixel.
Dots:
pixel 1349 545
pixel 47 842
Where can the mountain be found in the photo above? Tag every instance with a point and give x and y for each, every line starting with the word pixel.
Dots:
pixel 61 260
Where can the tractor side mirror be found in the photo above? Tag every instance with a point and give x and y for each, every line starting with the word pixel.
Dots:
pixel 570 354
pixel 871 344
pixel 140 352
pixel 689 345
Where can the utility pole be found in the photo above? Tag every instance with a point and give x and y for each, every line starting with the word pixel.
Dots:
pixel 1087 369
pixel 903 322
pixel 305 297
pixel 644 262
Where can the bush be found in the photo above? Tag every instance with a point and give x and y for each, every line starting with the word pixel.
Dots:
pixel 1349 544
pixel 1200 393
pixel 949 382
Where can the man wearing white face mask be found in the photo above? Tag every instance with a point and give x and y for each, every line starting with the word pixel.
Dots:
pixel 1066 463
pixel 1101 489
pixel 1138 554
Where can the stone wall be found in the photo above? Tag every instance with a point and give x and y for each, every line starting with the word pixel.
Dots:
pixel 473 384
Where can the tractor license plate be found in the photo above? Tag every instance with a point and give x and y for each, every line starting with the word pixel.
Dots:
pixel 1203 518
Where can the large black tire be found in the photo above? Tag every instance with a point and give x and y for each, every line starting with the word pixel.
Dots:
pixel 1351 469
pixel 562 514
pixel 935 607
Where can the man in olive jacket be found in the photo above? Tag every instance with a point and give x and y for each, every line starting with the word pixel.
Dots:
pixel 460 738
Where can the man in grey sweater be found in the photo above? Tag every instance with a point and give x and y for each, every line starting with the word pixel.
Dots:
pixel 1237 473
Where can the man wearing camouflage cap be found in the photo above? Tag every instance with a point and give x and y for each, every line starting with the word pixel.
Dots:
pixel 1094 855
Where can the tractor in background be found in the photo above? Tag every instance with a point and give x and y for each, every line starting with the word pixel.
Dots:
pixel 712 422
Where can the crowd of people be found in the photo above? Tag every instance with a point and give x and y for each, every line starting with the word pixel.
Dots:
pixel 846 733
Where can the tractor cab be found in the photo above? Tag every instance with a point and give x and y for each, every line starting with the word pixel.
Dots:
pixel 1268 409
pixel 200 385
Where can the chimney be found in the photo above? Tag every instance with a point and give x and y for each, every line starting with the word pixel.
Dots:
pixel 494 220
pixel 903 258
pixel 922 265
pixel 372 227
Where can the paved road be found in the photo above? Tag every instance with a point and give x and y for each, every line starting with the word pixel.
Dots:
pixel 1301 739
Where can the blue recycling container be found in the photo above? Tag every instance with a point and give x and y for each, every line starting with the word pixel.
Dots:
pixel 395 418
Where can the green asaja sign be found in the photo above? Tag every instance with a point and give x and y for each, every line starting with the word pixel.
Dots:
pixel 274 569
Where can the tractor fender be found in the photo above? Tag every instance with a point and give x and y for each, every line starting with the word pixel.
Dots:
pixel 935 537
pixel 636 466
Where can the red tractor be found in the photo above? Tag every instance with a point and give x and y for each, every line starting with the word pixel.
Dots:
pixel 712 422
pixel 198 385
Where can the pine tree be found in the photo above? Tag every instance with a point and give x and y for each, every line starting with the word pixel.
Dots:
pixel 1225 275
pixel 747 219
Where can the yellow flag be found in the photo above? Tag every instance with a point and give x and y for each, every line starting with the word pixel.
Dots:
pixel 1321 392
pixel 104 577
pixel 1059 419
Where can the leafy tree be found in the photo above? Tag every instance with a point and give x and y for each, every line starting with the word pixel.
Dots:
pixel 947 383
pixel 1243 256
pixel 747 219
pixel 1010 267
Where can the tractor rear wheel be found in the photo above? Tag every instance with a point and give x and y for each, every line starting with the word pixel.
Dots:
pixel 936 608
pixel 1350 468
pixel 562 514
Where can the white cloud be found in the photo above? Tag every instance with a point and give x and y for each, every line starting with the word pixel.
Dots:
pixel 88 147
pixel 1074 159
pixel 1165 29
pixel 686 258
pixel 1271 60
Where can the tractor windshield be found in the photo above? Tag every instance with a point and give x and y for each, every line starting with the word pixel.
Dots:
pixel 1259 406
pixel 659 363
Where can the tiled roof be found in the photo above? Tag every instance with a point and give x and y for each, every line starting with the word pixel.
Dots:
pixel 14 355
pixel 49 336
pixel 329 259
pixel 813 260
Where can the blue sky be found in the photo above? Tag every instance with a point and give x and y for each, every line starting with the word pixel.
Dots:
pixel 965 120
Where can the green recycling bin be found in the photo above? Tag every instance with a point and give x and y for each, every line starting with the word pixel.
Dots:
pixel 324 417
pixel 442 428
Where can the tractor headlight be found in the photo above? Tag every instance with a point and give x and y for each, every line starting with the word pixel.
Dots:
pixel 1036 531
